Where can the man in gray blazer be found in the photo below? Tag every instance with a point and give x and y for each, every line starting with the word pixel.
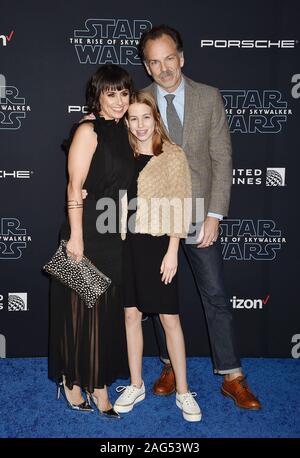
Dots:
pixel 194 115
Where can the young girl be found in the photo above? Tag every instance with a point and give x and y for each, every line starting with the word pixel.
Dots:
pixel 162 188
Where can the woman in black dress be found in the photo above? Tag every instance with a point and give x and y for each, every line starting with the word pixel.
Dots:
pixel 151 247
pixel 87 349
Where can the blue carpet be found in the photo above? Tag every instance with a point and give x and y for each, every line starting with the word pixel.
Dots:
pixel 29 408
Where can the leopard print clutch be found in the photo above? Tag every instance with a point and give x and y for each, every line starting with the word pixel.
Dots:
pixel 82 277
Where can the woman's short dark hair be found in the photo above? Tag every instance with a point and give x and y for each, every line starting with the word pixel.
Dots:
pixel 157 32
pixel 107 77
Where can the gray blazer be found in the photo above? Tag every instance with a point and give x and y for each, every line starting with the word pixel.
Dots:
pixel 207 145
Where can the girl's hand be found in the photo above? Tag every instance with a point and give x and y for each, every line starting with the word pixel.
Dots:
pixel 168 267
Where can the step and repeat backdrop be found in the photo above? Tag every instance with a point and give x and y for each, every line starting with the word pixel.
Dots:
pixel 251 52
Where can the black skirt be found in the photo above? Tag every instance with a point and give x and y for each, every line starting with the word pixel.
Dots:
pixel 143 288
pixel 87 345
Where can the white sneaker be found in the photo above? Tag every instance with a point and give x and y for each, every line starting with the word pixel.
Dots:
pixel 130 396
pixel 190 408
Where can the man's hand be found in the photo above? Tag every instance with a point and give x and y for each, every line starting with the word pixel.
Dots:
pixel 209 232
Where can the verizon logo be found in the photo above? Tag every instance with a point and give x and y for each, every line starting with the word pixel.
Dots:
pixel 249 303
pixel 6 38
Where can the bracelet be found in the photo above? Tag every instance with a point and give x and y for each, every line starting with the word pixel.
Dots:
pixel 73 204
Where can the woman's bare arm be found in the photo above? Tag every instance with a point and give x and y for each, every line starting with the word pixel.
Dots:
pixel 80 156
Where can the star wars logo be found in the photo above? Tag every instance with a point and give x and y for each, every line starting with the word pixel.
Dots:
pixel 249 240
pixel 13 239
pixel 109 41
pixel 12 107
pixel 254 111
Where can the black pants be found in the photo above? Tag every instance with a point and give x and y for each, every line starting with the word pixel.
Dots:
pixel 207 267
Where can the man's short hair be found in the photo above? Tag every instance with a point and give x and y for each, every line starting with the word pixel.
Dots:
pixel 157 32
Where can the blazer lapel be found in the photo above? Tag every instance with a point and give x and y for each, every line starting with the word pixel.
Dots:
pixel 152 89
pixel 190 110
pixel 190 107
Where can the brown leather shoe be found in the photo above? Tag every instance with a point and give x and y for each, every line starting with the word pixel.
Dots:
pixel 239 391
pixel 165 385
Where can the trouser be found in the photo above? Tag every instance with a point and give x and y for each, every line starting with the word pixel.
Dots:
pixel 207 267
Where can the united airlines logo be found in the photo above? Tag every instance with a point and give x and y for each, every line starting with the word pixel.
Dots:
pixel 271 176
pixel 12 107
pixel 109 41
pixel 17 302
pixel 250 240
pixel 13 238
pixel 275 176
pixel 255 111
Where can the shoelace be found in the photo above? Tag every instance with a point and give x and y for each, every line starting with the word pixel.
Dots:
pixel 167 369
pixel 128 390
pixel 243 388
pixel 189 398
pixel 243 383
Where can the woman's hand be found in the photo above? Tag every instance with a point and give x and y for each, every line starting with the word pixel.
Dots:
pixel 74 249
pixel 168 266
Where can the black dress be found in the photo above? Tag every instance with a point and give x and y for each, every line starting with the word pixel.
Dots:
pixel 143 255
pixel 88 345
